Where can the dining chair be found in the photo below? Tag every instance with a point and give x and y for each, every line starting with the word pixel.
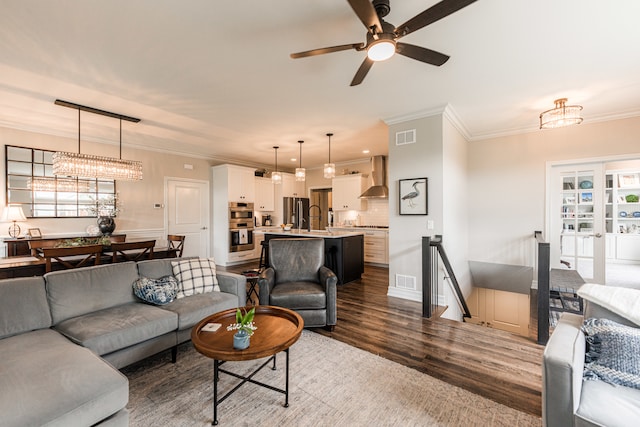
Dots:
pixel 132 251
pixel 36 246
pixel 176 245
pixel 72 256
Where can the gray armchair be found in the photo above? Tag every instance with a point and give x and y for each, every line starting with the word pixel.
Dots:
pixel 298 280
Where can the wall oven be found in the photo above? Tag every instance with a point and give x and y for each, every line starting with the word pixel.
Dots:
pixel 241 222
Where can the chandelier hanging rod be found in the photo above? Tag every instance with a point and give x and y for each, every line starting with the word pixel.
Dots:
pixel 95 111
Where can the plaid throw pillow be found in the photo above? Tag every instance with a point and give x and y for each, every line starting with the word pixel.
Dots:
pixel 195 276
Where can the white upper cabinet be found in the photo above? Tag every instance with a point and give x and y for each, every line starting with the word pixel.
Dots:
pixel 346 190
pixel 241 184
pixel 264 195
pixel 291 187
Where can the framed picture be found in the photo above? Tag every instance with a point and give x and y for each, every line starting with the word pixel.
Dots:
pixel 629 180
pixel 34 233
pixel 586 197
pixel 412 196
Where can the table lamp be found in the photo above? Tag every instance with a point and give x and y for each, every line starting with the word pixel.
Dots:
pixel 13 212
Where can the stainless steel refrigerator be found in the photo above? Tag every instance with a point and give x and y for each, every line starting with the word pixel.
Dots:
pixel 296 211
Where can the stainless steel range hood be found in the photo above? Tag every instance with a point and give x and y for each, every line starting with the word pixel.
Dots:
pixel 379 188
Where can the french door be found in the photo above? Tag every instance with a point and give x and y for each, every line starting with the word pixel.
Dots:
pixel 577 234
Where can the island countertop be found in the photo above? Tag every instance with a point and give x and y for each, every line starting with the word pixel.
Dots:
pixel 334 234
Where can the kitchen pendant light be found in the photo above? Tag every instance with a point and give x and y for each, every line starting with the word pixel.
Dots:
pixel 276 177
pixel 89 166
pixel 300 172
pixel 329 168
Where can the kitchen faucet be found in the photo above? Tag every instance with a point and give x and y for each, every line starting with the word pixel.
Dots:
pixel 319 216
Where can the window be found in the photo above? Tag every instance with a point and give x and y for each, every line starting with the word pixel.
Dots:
pixel 31 183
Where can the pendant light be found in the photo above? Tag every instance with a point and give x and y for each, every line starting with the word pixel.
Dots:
pixel 89 166
pixel 276 177
pixel 300 172
pixel 329 168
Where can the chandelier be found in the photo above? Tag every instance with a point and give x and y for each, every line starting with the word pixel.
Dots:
pixel 560 116
pixel 276 177
pixel 329 168
pixel 300 172
pixel 85 165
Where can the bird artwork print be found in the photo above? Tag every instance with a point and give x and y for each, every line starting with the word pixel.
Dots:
pixel 412 195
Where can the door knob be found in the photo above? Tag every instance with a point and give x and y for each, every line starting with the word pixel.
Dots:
pixel 598 235
pixel 203 228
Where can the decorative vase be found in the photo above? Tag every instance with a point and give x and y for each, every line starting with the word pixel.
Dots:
pixel 241 340
pixel 106 224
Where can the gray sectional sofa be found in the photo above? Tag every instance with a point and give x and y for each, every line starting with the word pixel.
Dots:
pixel 63 337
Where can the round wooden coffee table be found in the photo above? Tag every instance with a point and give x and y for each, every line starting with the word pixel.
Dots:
pixel 278 329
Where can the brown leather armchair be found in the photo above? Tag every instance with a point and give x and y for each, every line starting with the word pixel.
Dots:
pixel 298 280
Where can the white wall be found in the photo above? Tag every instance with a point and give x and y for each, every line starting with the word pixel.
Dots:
pixel 137 197
pixel 419 160
pixel 506 177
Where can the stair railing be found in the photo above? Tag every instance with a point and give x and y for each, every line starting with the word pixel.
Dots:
pixel 543 266
pixel 432 252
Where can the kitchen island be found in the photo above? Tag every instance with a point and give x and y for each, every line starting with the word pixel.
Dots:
pixel 344 250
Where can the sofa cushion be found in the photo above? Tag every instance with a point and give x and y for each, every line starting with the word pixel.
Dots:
pixel 23 306
pixel 156 291
pixel 613 352
pixel 298 296
pixel 156 268
pixel 603 404
pixel 115 328
pixel 195 276
pixel 624 302
pixel 73 293
pixel 194 308
pixel 55 382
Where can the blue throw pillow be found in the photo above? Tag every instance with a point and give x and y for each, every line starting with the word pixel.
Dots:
pixel 156 291
pixel 613 352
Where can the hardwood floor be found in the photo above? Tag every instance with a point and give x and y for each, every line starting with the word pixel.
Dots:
pixel 495 364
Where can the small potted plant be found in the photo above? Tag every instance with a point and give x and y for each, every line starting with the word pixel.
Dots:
pixel 245 327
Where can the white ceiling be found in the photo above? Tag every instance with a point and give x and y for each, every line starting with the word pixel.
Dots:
pixel 214 78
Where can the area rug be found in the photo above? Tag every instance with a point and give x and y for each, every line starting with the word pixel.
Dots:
pixel 331 384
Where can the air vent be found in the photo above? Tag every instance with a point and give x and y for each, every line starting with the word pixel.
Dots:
pixel 406 137
pixel 405 282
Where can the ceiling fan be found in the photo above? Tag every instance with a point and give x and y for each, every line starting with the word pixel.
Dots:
pixel 382 37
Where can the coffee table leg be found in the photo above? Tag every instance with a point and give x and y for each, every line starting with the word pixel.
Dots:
pixel 215 392
pixel 286 393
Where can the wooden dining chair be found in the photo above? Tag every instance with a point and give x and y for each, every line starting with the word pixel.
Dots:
pixel 72 256
pixel 36 246
pixel 176 246
pixel 132 251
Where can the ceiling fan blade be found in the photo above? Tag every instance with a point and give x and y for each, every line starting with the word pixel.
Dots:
pixel 362 72
pixel 367 14
pixel 322 51
pixel 431 15
pixel 421 54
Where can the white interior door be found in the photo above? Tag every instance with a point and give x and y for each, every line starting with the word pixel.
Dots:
pixel 577 234
pixel 187 207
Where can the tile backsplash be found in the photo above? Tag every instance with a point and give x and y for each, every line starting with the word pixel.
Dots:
pixel 377 213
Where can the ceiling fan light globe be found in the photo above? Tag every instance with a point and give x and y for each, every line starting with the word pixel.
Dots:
pixel 381 50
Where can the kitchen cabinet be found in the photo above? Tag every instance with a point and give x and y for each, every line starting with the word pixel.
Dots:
pixel 241 184
pixel 291 187
pixel 376 246
pixel 230 184
pixel 507 311
pixel 346 191
pixel 264 200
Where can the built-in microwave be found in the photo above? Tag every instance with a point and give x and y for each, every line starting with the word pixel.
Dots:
pixel 241 211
